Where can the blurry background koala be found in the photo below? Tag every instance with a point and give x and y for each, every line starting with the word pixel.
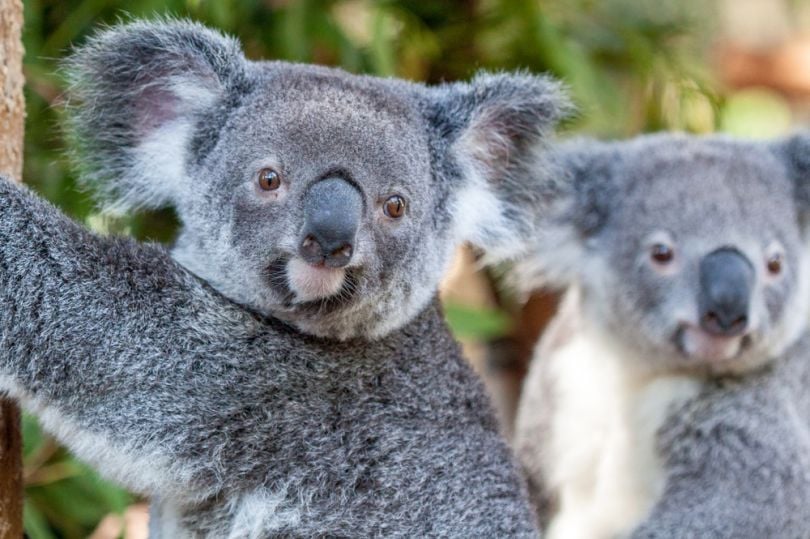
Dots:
pixel 738 66
pixel 686 261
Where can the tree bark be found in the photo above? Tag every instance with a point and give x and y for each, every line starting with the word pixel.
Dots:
pixel 12 116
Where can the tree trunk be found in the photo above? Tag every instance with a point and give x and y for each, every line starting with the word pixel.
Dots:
pixel 12 114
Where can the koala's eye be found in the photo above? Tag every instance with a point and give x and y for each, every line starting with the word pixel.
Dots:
pixel 394 207
pixel 662 253
pixel 775 264
pixel 269 179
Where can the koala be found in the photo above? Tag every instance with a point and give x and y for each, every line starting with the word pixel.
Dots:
pixel 669 396
pixel 286 369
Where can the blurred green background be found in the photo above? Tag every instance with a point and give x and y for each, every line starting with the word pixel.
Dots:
pixel 632 66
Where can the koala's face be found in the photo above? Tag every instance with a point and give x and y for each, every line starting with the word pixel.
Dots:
pixel 692 252
pixel 329 200
pixel 320 205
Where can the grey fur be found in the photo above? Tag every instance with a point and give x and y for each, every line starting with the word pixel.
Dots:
pixel 737 456
pixel 188 388
pixel 387 135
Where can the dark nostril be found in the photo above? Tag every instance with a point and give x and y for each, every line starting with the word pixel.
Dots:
pixel 314 252
pixel 716 324
pixel 340 256
pixel 738 326
pixel 311 250
pixel 711 323
pixel 345 251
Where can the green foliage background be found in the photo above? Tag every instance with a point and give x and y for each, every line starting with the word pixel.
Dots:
pixel 632 66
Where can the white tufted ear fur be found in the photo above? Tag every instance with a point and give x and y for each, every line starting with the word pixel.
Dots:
pixel 585 190
pixel 137 92
pixel 497 126
pixel 794 151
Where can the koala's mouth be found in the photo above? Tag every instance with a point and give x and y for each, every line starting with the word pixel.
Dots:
pixel 697 344
pixel 303 287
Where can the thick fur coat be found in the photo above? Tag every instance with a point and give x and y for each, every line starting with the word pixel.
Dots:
pixel 249 393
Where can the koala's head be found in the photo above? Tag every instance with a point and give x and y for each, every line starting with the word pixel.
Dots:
pixel 329 200
pixel 690 250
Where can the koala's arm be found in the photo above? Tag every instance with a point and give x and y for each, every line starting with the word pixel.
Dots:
pixel 104 339
pixel 738 465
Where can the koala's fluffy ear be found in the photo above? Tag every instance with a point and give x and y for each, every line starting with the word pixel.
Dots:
pixel 586 190
pixel 496 127
pixel 136 93
pixel 795 153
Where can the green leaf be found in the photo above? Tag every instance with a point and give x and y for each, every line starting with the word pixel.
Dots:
pixel 35 524
pixel 477 324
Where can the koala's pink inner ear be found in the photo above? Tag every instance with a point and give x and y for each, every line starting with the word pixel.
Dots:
pixel 504 118
pixel 496 141
pixel 160 101
pixel 156 106
pixel 136 92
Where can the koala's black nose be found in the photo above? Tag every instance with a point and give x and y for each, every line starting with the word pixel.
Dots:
pixel 726 281
pixel 332 211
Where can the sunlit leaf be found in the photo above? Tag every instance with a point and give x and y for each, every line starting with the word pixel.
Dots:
pixel 756 113
pixel 476 324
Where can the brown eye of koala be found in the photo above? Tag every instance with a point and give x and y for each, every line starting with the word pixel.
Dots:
pixel 394 207
pixel 775 264
pixel 269 180
pixel 662 253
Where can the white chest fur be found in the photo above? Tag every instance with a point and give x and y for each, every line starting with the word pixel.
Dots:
pixel 600 458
